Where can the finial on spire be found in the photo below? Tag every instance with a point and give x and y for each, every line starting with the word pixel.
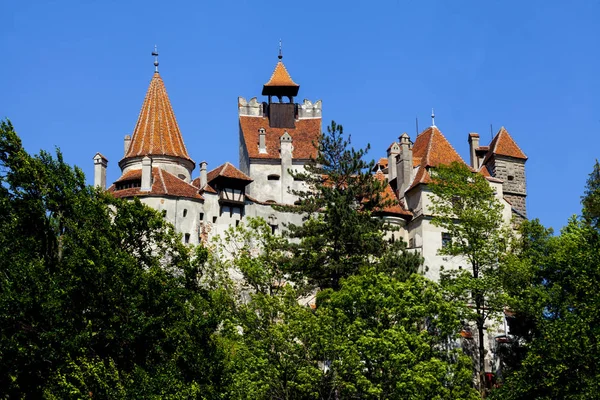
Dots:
pixel 432 118
pixel 155 54
pixel 280 56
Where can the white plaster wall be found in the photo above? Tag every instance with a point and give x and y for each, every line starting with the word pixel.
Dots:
pixel 264 190
pixel 174 208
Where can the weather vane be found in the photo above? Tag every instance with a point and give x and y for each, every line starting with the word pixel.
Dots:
pixel 155 54
pixel 432 118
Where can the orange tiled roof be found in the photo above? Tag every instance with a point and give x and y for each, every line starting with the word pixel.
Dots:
pixel 383 162
pixel 163 184
pixel 227 170
pixel 397 207
pixel 504 145
pixel 207 188
pixel 280 77
pixel 484 171
pixel 156 131
pixel 303 135
pixel 431 149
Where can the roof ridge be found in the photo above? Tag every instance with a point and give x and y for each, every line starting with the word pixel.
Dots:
pixel 162 180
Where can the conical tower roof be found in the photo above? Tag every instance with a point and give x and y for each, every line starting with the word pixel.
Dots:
pixel 156 131
pixel 281 83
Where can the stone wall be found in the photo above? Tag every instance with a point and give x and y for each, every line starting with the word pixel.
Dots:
pixel 512 173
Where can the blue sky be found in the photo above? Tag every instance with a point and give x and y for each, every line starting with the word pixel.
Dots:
pixel 74 75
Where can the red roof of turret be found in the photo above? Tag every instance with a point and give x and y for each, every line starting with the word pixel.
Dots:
pixel 504 145
pixel 156 131
pixel 163 184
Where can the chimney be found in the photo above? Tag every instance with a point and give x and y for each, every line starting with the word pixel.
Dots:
pixel 146 174
pixel 392 153
pixel 404 166
pixel 100 163
pixel 286 149
pixel 473 146
pixel 127 143
pixel 262 141
pixel 203 176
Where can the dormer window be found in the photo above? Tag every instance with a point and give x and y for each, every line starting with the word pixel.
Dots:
pixel 273 177
pixel 128 185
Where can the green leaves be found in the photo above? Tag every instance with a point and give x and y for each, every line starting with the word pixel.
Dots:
pixel 341 232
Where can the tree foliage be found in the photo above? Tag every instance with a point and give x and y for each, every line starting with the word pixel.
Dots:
pixel 341 231
pixel 97 295
pixel 464 205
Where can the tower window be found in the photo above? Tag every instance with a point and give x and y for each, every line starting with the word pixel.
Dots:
pixel 214 219
pixel 181 176
pixel 273 228
pixel 201 216
pixel 273 177
pixel 511 178
pixel 187 238
pixel 184 212
pixel 446 239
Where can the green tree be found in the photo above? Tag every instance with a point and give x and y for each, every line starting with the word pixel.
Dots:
pixel 464 205
pixel 374 338
pixel 93 289
pixel 591 198
pixel 341 231
pixel 561 299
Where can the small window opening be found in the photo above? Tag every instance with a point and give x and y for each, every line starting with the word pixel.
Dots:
pixel 511 178
pixel 214 219
pixel 446 239
pixel 181 176
pixel 184 212
pixel 297 203
pixel 201 216
pixel 273 177
pixel 273 228
pixel 187 238
pixel 237 222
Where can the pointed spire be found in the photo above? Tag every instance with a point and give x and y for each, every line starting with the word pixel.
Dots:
pixel 156 131
pixel 280 56
pixel 155 54
pixel 281 83
pixel 432 118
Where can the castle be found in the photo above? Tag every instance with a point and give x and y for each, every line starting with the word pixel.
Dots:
pixel 276 136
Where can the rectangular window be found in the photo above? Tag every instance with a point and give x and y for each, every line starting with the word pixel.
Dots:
pixel 446 239
pixel 273 229
pixel 201 216
pixel 187 238
pixel 214 220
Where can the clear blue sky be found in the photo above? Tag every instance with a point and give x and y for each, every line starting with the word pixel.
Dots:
pixel 74 75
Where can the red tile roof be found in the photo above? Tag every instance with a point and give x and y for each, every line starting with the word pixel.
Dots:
pixel 207 188
pixel 504 145
pixel 397 207
pixel 280 76
pixel 156 131
pixel 227 170
pixel 431 149
pixel 303 135
pixel 163 184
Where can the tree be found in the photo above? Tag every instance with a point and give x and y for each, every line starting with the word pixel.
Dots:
pixel 464 204
pixel 341 231
pixel 95 292
pixel 374 338
pixel 591 198
pixel 562 352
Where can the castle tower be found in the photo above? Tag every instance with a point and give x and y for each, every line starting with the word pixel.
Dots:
pixel 157 136
pixel 506 161
pixel 277 136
